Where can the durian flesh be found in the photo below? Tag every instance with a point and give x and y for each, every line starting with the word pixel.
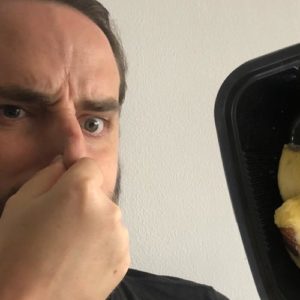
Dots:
pixel 287 216
pixel 289 172
pixel 287 219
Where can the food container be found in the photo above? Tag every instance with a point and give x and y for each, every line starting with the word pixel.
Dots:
pixel 255 111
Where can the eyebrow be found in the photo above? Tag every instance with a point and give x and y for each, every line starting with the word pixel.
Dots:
pixel 36 98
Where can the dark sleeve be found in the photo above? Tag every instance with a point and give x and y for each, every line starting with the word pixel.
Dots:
pixel 192 290
pixel 219 296
pixel 139 285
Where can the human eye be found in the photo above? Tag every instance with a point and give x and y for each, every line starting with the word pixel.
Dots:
pixel 12 112
pixel 95 126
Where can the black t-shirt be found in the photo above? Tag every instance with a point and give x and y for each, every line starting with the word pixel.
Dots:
pixel 138 285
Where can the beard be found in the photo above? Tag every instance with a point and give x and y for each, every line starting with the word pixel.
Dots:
pixel 114 196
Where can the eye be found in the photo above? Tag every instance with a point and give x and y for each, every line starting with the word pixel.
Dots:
pixel 95 126
pixel 11 111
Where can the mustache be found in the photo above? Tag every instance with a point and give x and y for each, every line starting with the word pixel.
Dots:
pixel 114 196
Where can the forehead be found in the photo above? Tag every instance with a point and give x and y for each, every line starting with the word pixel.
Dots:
pixel 44 44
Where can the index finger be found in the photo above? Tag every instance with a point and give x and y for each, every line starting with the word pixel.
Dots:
pixel 43 180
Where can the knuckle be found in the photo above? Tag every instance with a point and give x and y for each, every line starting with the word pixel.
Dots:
pixel 82 185
pixel 83 188
pixel 113 213
pixel 116 213
pixel 81 197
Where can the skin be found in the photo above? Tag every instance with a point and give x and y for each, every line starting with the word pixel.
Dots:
pixel 61 235
pixel 58 51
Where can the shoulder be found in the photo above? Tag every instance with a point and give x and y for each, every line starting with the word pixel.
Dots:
pixel 146 286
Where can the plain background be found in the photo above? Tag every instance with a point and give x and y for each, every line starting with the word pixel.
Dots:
pixel 174 195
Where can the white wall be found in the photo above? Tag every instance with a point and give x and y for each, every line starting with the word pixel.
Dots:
pixel 175 199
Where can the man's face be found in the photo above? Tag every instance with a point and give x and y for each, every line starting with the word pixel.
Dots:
pixel 54 51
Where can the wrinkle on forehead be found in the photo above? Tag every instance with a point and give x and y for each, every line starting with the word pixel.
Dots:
pixel 51 36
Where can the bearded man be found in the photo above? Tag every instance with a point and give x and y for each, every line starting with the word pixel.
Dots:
pixel 62 86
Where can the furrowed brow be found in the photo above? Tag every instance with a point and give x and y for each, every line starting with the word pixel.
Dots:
pixel 100 105
pixel 32 97
pixel 25 95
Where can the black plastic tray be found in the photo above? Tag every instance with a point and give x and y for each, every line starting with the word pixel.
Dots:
pixel 255 110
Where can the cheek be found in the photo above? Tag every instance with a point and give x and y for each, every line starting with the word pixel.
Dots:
pixel 16 155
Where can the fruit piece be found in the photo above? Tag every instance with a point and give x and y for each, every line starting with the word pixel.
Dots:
pixel 287 219
pixel 289 172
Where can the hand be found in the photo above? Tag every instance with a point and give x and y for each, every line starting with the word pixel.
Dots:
pixel 61 237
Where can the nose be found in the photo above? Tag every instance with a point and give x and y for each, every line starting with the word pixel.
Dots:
pixel 68 138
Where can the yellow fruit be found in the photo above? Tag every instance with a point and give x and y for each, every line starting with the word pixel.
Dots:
pixel 287 219
pixel 289 172
pixel 288 214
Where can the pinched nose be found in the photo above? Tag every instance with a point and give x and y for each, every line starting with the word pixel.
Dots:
pixel 66 138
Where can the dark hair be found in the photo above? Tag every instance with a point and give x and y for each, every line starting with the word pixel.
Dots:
pixel 100 15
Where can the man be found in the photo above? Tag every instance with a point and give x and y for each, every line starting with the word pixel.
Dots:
pixel 62 85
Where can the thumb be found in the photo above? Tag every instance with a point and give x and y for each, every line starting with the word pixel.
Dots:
pixel 44 179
